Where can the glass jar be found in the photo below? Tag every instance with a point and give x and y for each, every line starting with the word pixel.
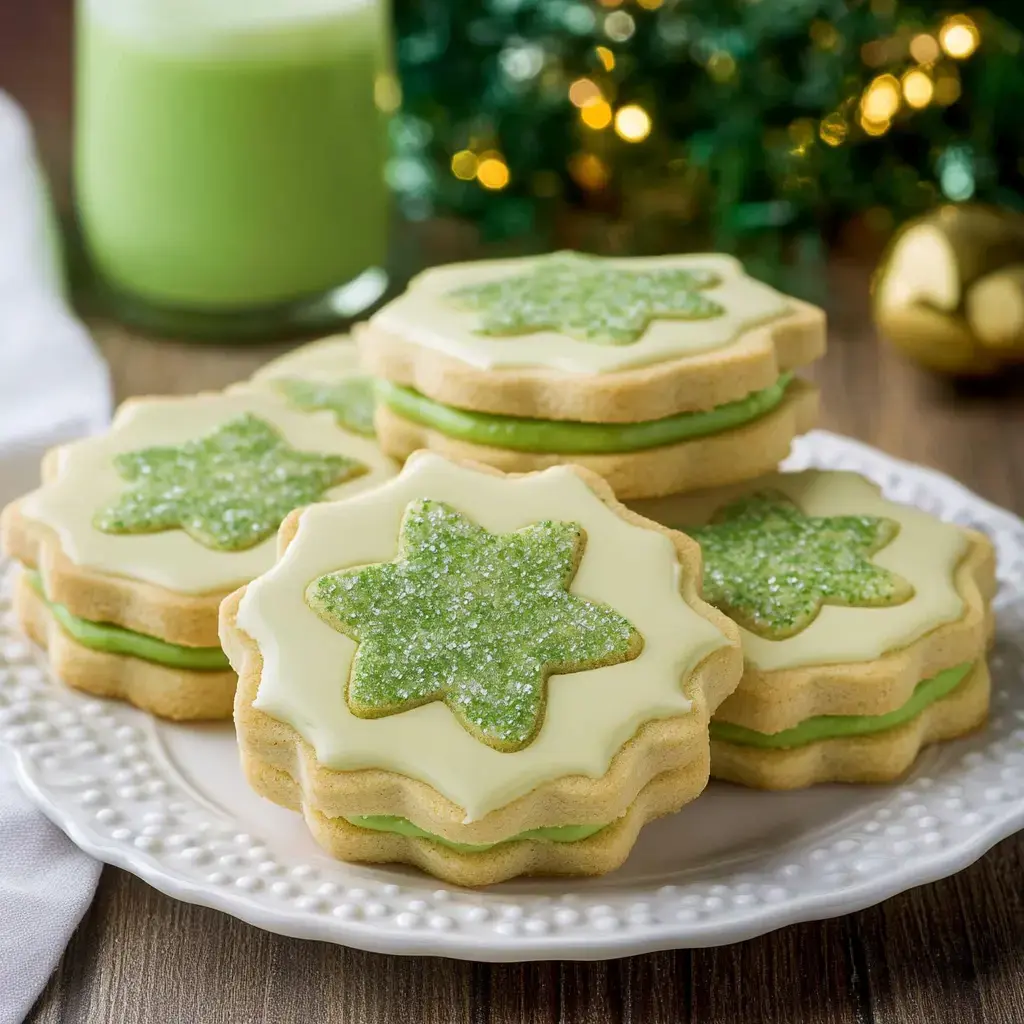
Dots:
pixel 229 160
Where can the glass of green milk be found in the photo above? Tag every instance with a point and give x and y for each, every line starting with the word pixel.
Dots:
pixel 229 160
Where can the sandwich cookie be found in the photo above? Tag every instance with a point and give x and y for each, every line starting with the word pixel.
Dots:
pixel 479 674
pixel 660 374
pixel 865 625
pixel 136 536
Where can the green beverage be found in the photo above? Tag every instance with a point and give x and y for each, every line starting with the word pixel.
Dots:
pixel 229 153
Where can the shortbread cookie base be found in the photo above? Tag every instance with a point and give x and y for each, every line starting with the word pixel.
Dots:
pixel 273 750
pixel 879 757
pixel 186 619
pixel 752 362
pixel 602 852
pixel 172 693
pixel 281 766
pixel 770 702
pixel 715 460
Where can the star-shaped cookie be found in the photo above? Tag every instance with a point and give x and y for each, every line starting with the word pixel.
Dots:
pixel 351 399
pixel 771 568
pixel 228 490
pixel 475 619
pixel 589 300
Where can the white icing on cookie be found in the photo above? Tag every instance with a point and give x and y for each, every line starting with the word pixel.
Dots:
pixel 87 480
pixel 326 359
pixel 925 552
pixel 589 715
pixel 425 316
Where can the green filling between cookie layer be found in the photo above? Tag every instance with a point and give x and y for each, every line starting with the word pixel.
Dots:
pixel 829 727
pixel 102 636
pixel 404 827
pixel 567 437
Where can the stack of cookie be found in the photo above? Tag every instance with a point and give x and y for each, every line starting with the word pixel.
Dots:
pixel 486 665
pixel 134 537
pixel 864 625
pixel 479 674
pixel 661 375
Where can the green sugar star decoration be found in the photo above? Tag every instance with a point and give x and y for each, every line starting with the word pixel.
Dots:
pixel 228 490
pixel 771 568
pixel 351 399
pixel 589 300
pixel 475 619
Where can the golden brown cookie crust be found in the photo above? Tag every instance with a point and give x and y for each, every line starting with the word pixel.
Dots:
pixel 186 619
pixel 696 383
pixel 178 694
pixel 770 702
pixel 596 855
pixel 282 766
pixel 733 455
pixel 879 757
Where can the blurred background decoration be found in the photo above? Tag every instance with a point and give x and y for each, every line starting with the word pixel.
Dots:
pixel 949 293
pixel 754 126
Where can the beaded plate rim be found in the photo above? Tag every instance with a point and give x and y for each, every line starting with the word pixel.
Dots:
pixel 97 769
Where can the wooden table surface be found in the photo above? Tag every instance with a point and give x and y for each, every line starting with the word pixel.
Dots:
pixel 949 952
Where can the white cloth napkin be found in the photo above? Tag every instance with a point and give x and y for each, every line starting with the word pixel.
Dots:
pixel 46 885
pixel 53 387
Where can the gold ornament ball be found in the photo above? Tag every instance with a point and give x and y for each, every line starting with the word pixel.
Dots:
pixel 949 291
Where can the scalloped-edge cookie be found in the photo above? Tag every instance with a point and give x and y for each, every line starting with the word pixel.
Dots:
pixel 710 461
pixel 147 527
pixel 437 669
pixel 428 340
pixel 655 372
pixel 175 693
pixel 865 626
pixel 866 758
pixel 322 375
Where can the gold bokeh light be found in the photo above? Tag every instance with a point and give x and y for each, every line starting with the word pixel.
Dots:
pixel 464 165
pixel 632 123
pixel 924 49
pixel 597 115
pixel 833 129
pixel 918 88
pixel 959 36
pixel 583 92
pixel 875 127
pixel 881 100
pixel 492 172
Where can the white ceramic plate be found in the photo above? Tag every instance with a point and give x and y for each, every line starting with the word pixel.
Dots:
pixel 168 803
